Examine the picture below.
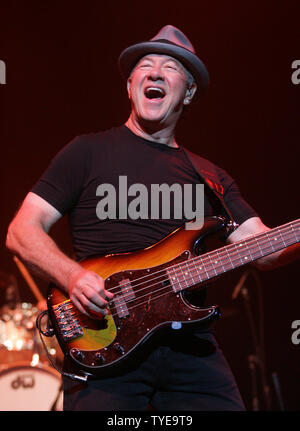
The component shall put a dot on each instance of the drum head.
(27, 388)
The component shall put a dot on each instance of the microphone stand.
(256, 360)
(54, 404)
(278, 391)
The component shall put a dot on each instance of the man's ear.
(189, 94)
(129, 86)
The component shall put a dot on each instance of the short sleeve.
(223, 183)
(62, 182)
(240, 209)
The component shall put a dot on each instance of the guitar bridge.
(69, 325)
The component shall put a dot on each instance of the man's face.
(158, 89)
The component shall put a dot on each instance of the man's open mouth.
(154, 93)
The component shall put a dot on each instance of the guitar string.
(145, 302)
(157, 290)
(166, 290)
(204, 259)
(115, 314)
(208, 257)
(269, 233)
(163, 288)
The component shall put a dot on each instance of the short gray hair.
(189, 77)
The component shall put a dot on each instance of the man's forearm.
(41, 254)
(254, 226)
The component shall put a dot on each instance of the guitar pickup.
(121, 306)
(127, 290)
(126, 294)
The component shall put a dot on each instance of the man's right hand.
(30, 227)
(87, 292)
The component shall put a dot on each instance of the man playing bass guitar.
(188, 372)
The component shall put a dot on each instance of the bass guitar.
(151, 291)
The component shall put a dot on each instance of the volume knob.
(100, 359)
(78, 354)
(119, 348)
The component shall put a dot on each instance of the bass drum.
(27, 388)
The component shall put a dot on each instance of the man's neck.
(163, 135)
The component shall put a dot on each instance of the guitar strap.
(208, 174)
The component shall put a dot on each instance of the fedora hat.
(169, 41)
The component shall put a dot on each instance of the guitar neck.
(217, 262)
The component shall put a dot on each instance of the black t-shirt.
(118, 167)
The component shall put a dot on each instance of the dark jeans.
(183, 373)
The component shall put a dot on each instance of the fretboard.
(210, 265)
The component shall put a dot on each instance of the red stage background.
(62, 80)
